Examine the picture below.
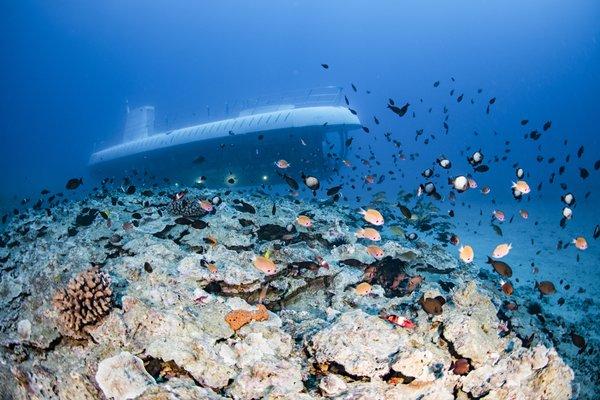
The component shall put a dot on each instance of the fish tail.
(489, 260)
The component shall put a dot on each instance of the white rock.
(24, 329)
(123, 377)
(332, 385)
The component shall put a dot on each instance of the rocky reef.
(190, 315)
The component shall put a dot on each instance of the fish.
(427, 173)
(332, 191)
(466, 254)
(520, 173)
(545, 288)
(325, 66)
(399, 321)
(363, 289)
(521, 186)
(206, 205)
(583, 173)
(242, 206)
(524, 214)
(507, 288)
(311, 182)
(282, 164)
(400, 111)
(444, 162)
(459, 183)
(375, 251)
(502, 250)
(481, 168)
(579, 342)
(291, 182)
(580, 243)
(199, 224)
(580, 152)
(304, 221)
(368, 233)
(596, 234)
(264, 265)
(567, 213)
(432, 306)
(411, 236)
(199, 160)
(568, 199)
(405, 211)
(499, 215)
(129, 189)
(476, 158)
(74, 183)
(547, 125)
(372, 216)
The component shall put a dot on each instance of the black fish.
(405, 211)
(597, 232)
(459, 98)
(497, 229)
(245, 222)
(352, 111)
(242, 206)
(325, 66)
(199, 224)
(273, 209)
(364, 128)
(290, 181)
(481, 168)
(130, 190)
(376, 120)
(72, 231)
(436, 83)
(199, 160)
(349, 142)
(524, 122)
(183, 221)
(400, 111)
(547, 125)
(492, 100)
(44, 191)
(332, 191)
(74, 183)
(597, 165)
(583, 173)
(353, 87)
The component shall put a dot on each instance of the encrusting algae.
(238, 318)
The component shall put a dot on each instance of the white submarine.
(308, 129)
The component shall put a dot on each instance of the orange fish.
(472, 183)
(264, 265)
(282, 164)
(466, 254)
(524, 214)
(486, 190)
(372, 216)
(499, 215)
(375, 251)
(212, 267)
(521, 186)
(502, 250)
(368, 233)
(580, 243)
(304, 221)
(206, 205)
(363, 289)
(369, 179)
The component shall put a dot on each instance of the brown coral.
(238, 318)
(86, 299)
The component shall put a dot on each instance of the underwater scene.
(299, 199)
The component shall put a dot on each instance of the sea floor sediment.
(185, 316)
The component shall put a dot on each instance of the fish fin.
(489, 260)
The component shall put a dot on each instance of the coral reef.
(83, 303)
(197, 320)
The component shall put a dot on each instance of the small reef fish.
(524, 214)
(521, 186)
(567, 212)
(500, 267)
(206, 205)
(507, 288)
(499, 215)
(264, 265)
(375, 251)
(502, 250)
(304, 221)
(580, 243)
(545, 288)
(363, 289)
(460, 183)
(466, 254)
(399, 321)
(372, 216)
(282, 164)
(368, 233)
(74, 183)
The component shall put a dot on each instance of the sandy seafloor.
(166, 335)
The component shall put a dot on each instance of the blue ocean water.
(71, 69)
